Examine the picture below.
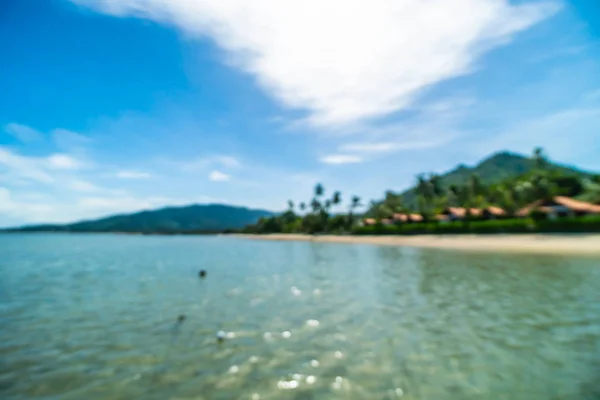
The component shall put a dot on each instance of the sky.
(111, 106)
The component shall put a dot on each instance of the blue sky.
(118, 105)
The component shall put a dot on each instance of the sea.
(127, 317)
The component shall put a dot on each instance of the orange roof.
(369, 221)
(523, 212)
(495, 210)
(408, 217)
(461, 212)
(577, 205)
(571, 204)
(441, 217)
(416, 217)
(400, 217)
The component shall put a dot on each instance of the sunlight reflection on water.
(96, 317)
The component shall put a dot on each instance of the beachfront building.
(407, 218)
(367, 222)
(459, 213)
(560, 206)
(493, 212)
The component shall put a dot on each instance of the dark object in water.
(181, 318)
(202, 273)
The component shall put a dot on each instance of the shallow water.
(94, 317)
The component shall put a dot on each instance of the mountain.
(494, 169)
(193, 218)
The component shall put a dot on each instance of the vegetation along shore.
(532, 195)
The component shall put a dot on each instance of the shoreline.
(581, 244)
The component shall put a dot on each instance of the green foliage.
(522, 225)
(590, 223)
(537, 215)
(499, 169)
(506, 180)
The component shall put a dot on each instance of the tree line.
(543, 181)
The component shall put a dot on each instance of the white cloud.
(80, 185)
(22, 167)
(64, 162)
(345, 60)
(210, 161)
(133, 175)
(218, 176)
(70, 141)
(55, 170)
(228, 161)
(20, 210)
(337, 159)
(31, 208)
(24, 133)
(388, 147)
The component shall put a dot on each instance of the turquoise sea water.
(95, 317)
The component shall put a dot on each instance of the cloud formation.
(337, 159)
(27, 208)
(210, 161)
(64, 162)
(22, 132)
(218, 176)
(126, 174)
(345, 61)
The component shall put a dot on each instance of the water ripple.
(95, 317)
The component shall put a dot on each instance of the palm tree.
(319, 190)
(539, 158)
(354, 203)
(453, 196)
(435, 184)
(315, 205)
(425, 195)
(302, 206)
(291, 205)
(476, 191)
(337, 198)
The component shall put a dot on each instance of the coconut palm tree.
(425, 194)
(435, 184)
(315, 205)
(336, 198)
(539, 158)
(319, 190)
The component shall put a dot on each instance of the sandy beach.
(588, 244)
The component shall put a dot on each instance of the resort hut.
(560, 206)
(368, 222)
(493, 212)
(407, 218)
(460, 213)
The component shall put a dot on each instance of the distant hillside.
(494, 169)
(194, 218)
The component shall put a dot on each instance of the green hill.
(193, 218)
(497, 168)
